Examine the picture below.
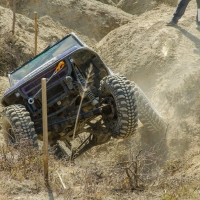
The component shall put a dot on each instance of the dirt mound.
(90, 18)
(143, 47)
(20, 48)
(158, 59)
(109, 2)
(132, 6)
(163, 61)
(137, 7)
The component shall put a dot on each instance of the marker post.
(36, 32)
(45, 128)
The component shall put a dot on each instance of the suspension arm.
(97, 111)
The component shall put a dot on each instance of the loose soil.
(133, 39)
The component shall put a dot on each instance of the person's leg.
(180, 10)
(198, 7)
(198, 4)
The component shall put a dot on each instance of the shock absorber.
(88, 91)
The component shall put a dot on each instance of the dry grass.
(11, 55)
(115, 178)
(25, 163)
(177, 181)
(131, 174)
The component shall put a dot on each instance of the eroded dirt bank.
(163, 61)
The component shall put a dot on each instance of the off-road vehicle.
(82, 93)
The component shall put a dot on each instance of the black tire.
(123, 122)
(18, 127)
(147, 113)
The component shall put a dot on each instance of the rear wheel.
(121, 120)
(18, 127)
(147, 113)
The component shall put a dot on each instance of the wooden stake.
(45, 128)
(14, 17)
(36, 32)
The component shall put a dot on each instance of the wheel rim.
(111, 117)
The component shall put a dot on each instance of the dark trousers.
(181, 9)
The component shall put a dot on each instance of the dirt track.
(160, 59)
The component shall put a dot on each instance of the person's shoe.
(198, 26)
(171, 23)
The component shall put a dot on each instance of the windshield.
(43, 57)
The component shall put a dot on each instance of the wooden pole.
(14, 17)
(45, 128)
(36, 32)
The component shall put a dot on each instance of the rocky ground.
(133, 39)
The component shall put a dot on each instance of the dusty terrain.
(132, 39)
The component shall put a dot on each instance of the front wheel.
(121, 122)
(18, 127)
